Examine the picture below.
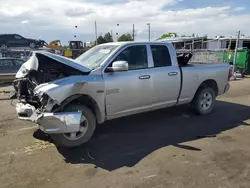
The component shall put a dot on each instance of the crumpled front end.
(41, 85)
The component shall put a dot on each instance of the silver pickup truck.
(67, 98)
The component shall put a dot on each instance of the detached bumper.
(51, 123)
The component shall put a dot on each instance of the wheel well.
(210, 83)
(89, 102)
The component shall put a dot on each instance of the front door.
(128, 92)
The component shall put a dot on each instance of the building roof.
(181, 39)
(132, 42)
(229, 38)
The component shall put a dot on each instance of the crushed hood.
(33, 63)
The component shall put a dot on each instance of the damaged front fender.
(61, 89)
(62, 92)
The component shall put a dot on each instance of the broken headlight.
(47, 103)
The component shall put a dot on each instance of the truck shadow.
(126, 141)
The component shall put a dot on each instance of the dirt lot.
(166, 148)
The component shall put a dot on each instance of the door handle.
(172, 73)
(143, 77)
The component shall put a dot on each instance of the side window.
(17, 37)
(18, 62)
(161, 56)
(81, 45)
(5, 64)
(9, 37)
(72, 45)
(136, 56)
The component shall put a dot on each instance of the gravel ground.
(165, 148)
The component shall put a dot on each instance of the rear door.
(17, 41)
(165, 77)
(20, 41)
(11, 41)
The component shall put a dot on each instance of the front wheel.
(32, 45)
(204, 101)
(87, 128)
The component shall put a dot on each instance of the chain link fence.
(25, 54)
(204, 56)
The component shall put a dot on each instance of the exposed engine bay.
(41, 68)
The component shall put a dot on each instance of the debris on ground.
(39, 145)
(90, 156)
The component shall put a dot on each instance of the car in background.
(15, 40)
(9, 68)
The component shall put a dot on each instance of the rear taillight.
(230, 73)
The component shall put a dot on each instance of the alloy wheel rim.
(3, 46)
(206, 101)
(81, 132)
(32, 45)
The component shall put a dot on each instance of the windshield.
(95, 56)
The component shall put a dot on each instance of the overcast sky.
(56, 19)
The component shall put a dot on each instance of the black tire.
(196, 103)
(3, 46)
(63, 141)
(32, 45)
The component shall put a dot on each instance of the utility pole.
(230, 43)
(202, 42)
(236, 50)
(76, 28)
(95, 34)
(133, 32)
(148, 31)
(117, 34)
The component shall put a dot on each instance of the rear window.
(4, 37)
(18, 62)
(161, 56)
(6, 65)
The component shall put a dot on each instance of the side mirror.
(118, 66)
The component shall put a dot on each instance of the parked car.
(110, 81)
(15, 40)
(9, 68)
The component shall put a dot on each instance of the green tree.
(108, 37)
(167, 35)
(100, 40)
(125, 37)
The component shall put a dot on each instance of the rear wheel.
(3, 46)
(204, 101)
(87, 128)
